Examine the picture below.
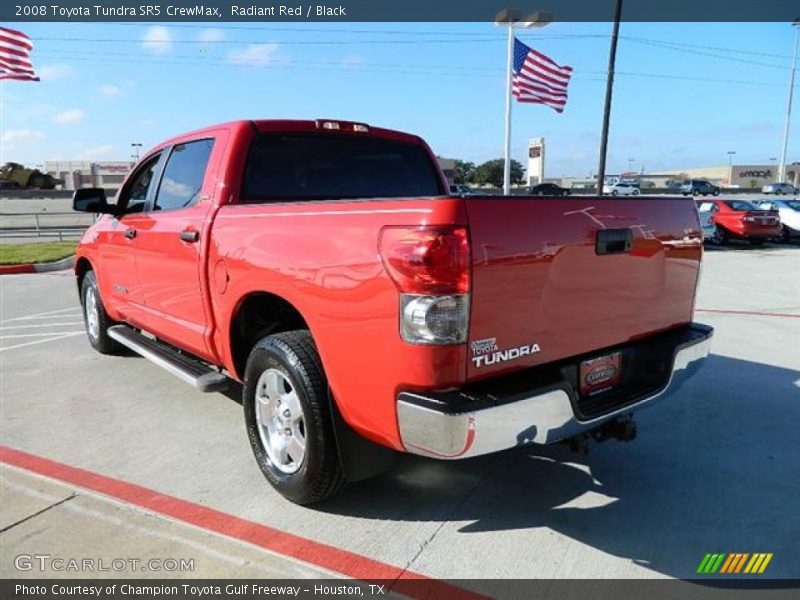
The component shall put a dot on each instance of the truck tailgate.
(556, 278)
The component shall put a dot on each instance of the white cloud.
(72, 115)
(212, 34)
(157, 40)
(53, 72)
(21, 135)
(110, 90)
(352, 60)
(255, 55)
(96, 151)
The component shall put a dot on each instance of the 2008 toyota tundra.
(324, 265)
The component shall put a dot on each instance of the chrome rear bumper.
(430, 426)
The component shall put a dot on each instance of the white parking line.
(30, 335)
(4, 327)
(44, 341)
(46, 314)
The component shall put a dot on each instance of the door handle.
(190, 236)
(130, 233)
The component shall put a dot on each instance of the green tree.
(491, 172)
(464, 171)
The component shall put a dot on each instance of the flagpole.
(507, 154)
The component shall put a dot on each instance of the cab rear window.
(325, 166)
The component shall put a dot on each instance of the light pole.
(630, 164)
(512, 19)
(782, 168)
(730, 154)
(612, 59)
(135, 149)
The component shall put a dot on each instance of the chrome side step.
(191, 370)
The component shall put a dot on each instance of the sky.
(685, 95)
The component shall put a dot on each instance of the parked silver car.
(779, 188)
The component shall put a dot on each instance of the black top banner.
(398, 10)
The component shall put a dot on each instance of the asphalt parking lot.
(714, 469)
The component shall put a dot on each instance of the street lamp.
(630, 164)
(730, 154)
(135, 149)
(782, 168)
(512, 19)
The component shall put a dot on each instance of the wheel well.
(82, 267)
(259, 315)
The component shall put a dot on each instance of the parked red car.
(742, 220)
(366, 310)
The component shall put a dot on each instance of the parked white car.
(706, 212)
(789, 212)
(621, 189)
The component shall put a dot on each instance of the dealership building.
(76, 174)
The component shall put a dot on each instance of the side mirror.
(91, 200)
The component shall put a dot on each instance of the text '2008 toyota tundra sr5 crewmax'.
(366, 311)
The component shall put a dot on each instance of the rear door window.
(294, 167)
(183, 175)
(739, 205)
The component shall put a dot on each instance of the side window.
(134, 196)
(183, 175)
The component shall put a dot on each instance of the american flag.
(538, 79)
(15, 50)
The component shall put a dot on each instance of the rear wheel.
(95, 318)
(635, 192)
(695, 192)
(285, 399)
(716, 192)
(720, 237)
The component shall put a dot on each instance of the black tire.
(635, 192)
(720, 237)
(695, 192)
(295, 356)
(614, 193)
(716, 192)
(786, 236)
(99, 340)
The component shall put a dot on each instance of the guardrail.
(61, 225)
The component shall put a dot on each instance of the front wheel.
(716, 192)
(288, 418)
(615, 193)
(95, 318)
(635, 192)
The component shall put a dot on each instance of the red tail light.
(427, 260)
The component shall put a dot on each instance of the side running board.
(191, 370)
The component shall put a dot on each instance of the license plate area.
(600, 374)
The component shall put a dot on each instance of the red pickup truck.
(367, 311)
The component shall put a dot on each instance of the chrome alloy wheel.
(92, 314)
(281, 422)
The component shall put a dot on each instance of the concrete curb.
(58, 265)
